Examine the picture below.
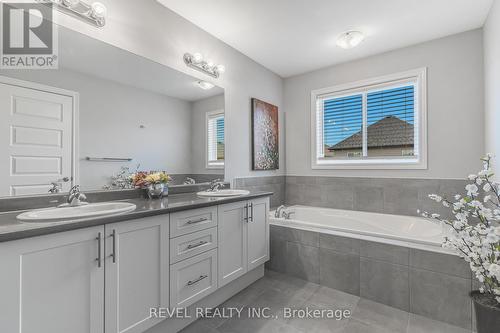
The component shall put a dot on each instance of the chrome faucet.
(57, 185)
(287, 214)
(277, 212)
(189, 181)
(76, 198)
(216, 185)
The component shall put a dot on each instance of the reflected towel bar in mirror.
(107, 159)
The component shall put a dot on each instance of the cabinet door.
(53, 283)
(232, 242)
(258, 232)
(136, 273)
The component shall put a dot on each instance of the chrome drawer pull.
(197, 221)
(193, 246)
(202, 277)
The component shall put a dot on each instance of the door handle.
(251, 211)
(99, 257)
(113, 254)
(245, 218)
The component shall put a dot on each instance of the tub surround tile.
(339, 244)
(277, 261)
(302, 261)
(369, 199)
(385, 283)
(385, 252)
(441, 263)
(295, 235)
(339, 271)
(403, 196)
(429, 297)
(275, 184)
(422, 282)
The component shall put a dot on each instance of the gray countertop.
(12, 229)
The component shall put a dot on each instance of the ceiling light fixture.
(205, 85)
(208, 67)
(350, 39)
(94, 13)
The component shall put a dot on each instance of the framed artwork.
(265, 135)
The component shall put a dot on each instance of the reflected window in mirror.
(215, 139)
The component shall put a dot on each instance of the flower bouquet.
(474, 234)
(156, 183)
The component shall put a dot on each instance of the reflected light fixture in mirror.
(94, 13)
(208, 67)
(205, 85)
(350, 39)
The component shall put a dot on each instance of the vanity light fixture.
(208, 67)
(205, 85)
(94, 13)
(350, 39)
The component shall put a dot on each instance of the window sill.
(215, 166)
(370, 165)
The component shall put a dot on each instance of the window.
(377, 123)
(215, 139)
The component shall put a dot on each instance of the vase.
(487, 312)
(157, 190)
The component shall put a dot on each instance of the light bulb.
(210, 63)
(205, 85)
(70, 3)
(221, 68)
(198, 57)
(98, 10)
(350, 39)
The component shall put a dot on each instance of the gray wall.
(164, 37)
(275, 184)
(455, 106)
(492, 82)
(199, 110)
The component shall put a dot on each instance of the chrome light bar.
(197, 62)
(94, 13)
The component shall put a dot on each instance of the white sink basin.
(68, 213)
(222, 193)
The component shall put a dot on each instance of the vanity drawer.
(189, 221)
(193, 279)
(189, 245)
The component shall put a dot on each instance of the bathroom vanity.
(105, 274)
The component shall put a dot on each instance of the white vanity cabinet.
(53, 283)
(137, 264)
(243, 234)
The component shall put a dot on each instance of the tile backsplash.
(275, 184)
(402, 196)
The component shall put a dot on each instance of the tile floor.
(277, 291)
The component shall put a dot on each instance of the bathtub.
(408, 231)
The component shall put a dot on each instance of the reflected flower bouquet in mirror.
(475, 229)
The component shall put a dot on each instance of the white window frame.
(213, 164)
(419, 79)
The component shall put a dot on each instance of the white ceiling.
(87, 55)
(295, 36)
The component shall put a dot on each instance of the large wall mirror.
(103, 113)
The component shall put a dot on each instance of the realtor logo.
(29, 39)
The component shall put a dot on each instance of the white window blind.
(215, 139)
(379, 122)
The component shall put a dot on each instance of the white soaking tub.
(408, 231)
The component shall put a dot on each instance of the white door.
(53, 284)
(137, 268)
(36, 130)
(258, 232)
(232, 237)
